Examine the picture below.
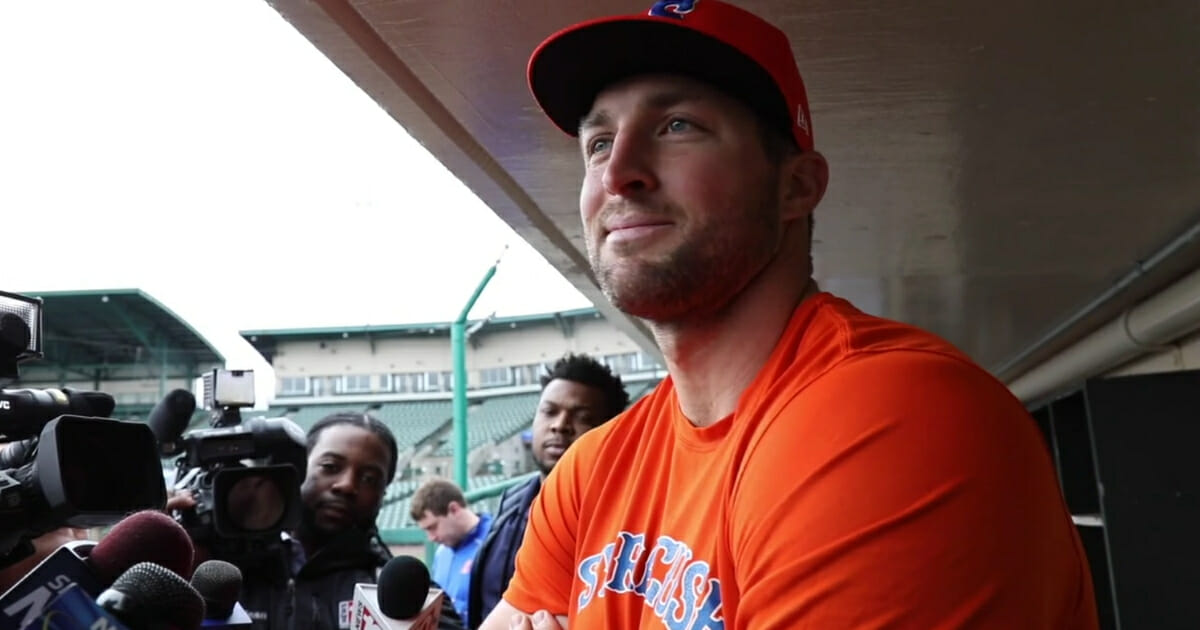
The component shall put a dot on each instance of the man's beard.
(316, 536)
(312, 533)
(701, 275)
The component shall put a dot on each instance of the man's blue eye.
(678, 124)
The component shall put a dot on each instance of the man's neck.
(470, 522)
(313, 540)
(713, 359)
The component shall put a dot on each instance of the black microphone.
(14, 334)
(149, 597)
(403, 587)
(219, 584)
(402, 600)
(23, 412)
(169, 418)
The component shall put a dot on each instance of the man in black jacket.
(578, 394)
(310, 584)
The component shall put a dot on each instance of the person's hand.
(180, 500)
(540, 620)
(43, 546)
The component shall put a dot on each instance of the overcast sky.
(207, 154)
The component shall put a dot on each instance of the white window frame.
(284, 390)
(506, 370)
(346, 380)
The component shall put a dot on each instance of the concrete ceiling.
(995, 166)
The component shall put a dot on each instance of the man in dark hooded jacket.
(310, 583)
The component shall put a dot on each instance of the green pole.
(458, 346)
(162, 370)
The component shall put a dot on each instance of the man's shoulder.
(898, 391)
(901, 381)
(827, 334)
(852, 331)
(838, 362)
(517, 495)
(519, 489)
(485, 523)
(887, 406)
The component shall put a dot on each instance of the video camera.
(67, 463)
(244, 476)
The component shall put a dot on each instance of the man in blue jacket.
(440, 508)
(578, 394)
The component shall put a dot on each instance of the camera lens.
(255, 503)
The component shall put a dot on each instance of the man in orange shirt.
(805, 465)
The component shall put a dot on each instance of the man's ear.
(804, 178)
(453, 508)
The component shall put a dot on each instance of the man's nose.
(345, 483)
(560, 423)
(629, 169)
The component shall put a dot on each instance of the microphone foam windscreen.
(146, 536)
(157, 594)
(170, 417)
(14, 333)
(403, 587)
(219, 583)
(86, 403)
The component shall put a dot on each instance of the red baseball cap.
(708, 40)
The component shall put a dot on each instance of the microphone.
(150, 597)
(146, 536)
(15, 335)
(26, 411)
(169, 418)
(403, 599)
(219, 584)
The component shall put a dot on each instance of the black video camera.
(66, 464)
(244, 476)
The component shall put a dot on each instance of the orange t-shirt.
(871, 476)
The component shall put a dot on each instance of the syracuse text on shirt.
(675, 586)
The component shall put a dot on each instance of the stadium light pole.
(458, 347)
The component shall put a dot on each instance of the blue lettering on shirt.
(681, 591)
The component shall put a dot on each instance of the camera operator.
(351, 460)
(43, 546)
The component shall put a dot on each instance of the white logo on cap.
(801, 121)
